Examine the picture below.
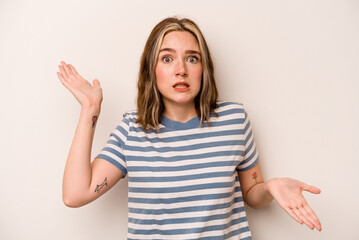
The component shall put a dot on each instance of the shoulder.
(128, 120)
(229, 107)
(130, 117)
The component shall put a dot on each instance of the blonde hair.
(149, 101)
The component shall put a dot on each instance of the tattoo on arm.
(99, 187)
(254, 175)
(94, 120)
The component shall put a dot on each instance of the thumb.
(311, 189)
(96, 83)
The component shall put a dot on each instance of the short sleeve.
(113, 150)
(250, 154)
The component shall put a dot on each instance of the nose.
(181, 68)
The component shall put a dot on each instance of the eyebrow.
(187, 51)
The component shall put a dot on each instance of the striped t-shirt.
(183, 180)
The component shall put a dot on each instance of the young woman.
(190, 159)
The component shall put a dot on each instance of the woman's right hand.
(87, 95)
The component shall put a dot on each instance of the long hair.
(149, 101)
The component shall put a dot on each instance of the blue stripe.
(185, 209)
(205, 125)
(248, 167)
(122, 130)
(180, 168)
(119, 141)
(230, 112)
(156, 139)
(225, 154)
(186, 220)
(114, 142)
(186, 148)
(117, 164)
(181, 178)
(250, 157)
(248, 149)
(220, 237)
(113, 151)
(184, 199)
(248, 137)
(181, 189)
(228, 235)
(191, 230)
(227, 103)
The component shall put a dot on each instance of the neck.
(179, 112)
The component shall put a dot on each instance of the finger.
(67, 69)
(293, 215)
(63, 80)
(315, 220)
(310, 188)
(73, 70)
(96, 83)
(301, 216)
(63, 72)
(309, 210)
(309, 216)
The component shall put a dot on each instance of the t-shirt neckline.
(192, 123)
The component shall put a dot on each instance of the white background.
(294, 64)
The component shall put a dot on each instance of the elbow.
(257, 203)
(251, 204)
(254, 206)
(71, 201)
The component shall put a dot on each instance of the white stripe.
(185, 143)
(188, 225)
(252, 149)
(181, 204)
(190, 236)
(181, 183)
(241, 236)
(114, 157)
(119, 135)
(113, 146)
(187, 214)
(181, 194)
(181, 173)
(183, 153)
(189, 131)
(250, 162)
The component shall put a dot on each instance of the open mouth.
(181, 85)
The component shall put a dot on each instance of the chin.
(184, 101)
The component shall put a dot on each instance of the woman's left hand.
(288, 193)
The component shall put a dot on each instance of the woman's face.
(179, 69)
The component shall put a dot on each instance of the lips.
(181, 85)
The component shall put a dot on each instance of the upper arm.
(109, 166)
(249, 178)
(249, 171)
(104, 176)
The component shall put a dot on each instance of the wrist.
(269, 185)
(92, 110)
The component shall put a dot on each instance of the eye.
(192, 59)
(166, 59)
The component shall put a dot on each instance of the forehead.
(180, 40)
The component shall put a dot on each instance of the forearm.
(259, 196)
(77, 175)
